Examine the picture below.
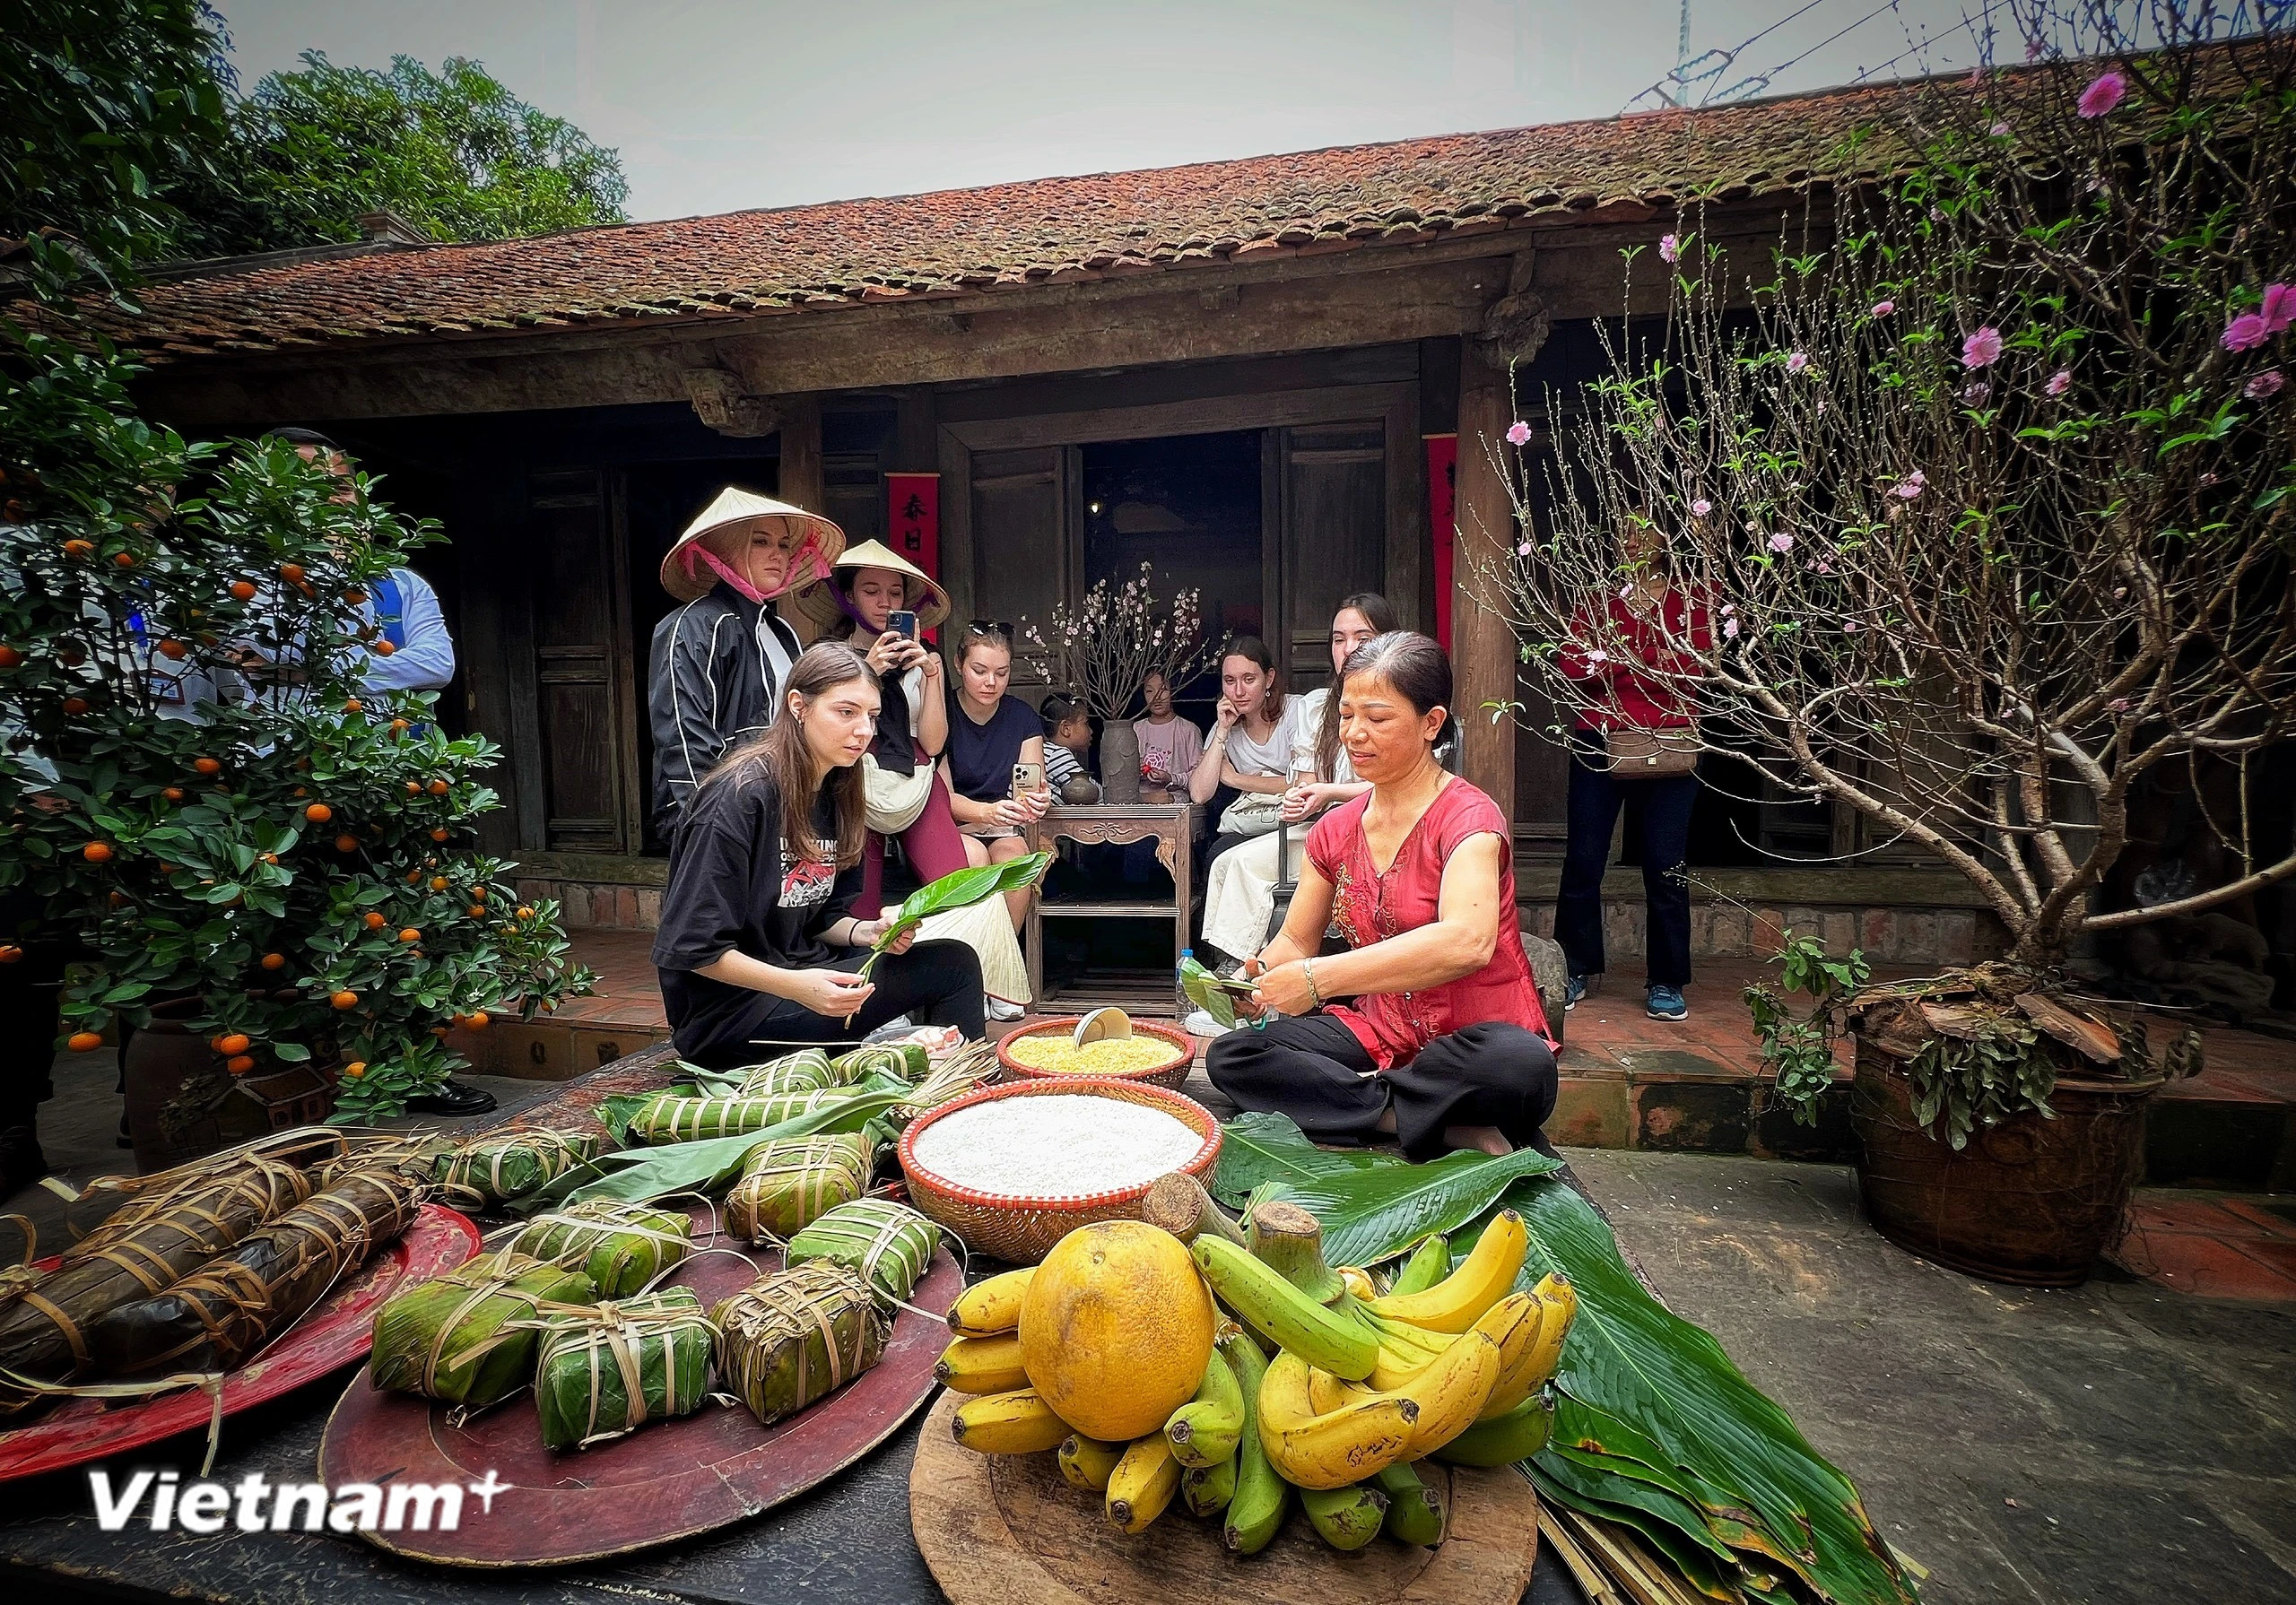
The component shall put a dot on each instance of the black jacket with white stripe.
(716, 665)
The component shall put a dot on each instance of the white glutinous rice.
(1055, 1146)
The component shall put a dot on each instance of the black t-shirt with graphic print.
(733, 886)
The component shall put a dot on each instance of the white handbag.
(895, 800)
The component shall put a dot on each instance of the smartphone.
(903, 622)
(1028, 778)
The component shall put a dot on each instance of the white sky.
(717, 105)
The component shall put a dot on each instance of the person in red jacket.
(1652, 629)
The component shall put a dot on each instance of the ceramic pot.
(182, 1103)
(1119, 762)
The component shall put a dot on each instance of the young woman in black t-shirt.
(758, 945)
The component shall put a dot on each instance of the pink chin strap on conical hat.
(690, 568)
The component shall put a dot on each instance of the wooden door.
(583, 682)
(1007, 549)
(1331, 485)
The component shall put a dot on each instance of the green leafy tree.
(104, 106)
(453, 152)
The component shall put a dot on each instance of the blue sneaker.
(1666, 1002)
(1576, 988)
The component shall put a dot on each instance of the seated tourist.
(1246, 765)
(1444, 1045)
(1170, 745)
(1240, 893)
(758, 945)
(991, 730)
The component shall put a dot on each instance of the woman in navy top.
(990, 730)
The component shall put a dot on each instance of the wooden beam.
(800, 479)
(1483, 646)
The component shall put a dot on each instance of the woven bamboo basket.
(1169, 1075)
(1021, 1229)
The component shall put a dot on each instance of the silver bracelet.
(1308, 973)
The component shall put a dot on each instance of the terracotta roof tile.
(749, 263)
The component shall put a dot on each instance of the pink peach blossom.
(2103, 95)
(1782, 542)
(1884, 309)
(1519, 433)
(2279, 306)
(1701, 507)
(2060, 381)
(1730, 630)
(2265, 384)
(1670, 249)
(1982, 349)
(1797, 362)
(2246, 332)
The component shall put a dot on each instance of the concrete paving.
(2115, 1442)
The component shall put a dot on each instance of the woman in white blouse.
(1247, 765)
(1240, 892)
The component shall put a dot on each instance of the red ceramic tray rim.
(1177, 1104)
(1183, 1049)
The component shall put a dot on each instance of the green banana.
(1205, 1490)
(1429, 1263)
(1255, 1509)
(1502, 1441)
(1330, 1340)
(1203, 1431)
(1416, 1513)
(1346, 1518)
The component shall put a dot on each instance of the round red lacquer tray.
(336, 1332)
(667, 1481)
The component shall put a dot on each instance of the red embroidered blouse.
(1369, 906)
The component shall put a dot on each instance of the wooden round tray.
(1008, 1529)
(667, 1481)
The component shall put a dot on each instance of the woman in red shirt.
(1443, 1044)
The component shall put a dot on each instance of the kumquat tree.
(194, 774)
(1983, 485)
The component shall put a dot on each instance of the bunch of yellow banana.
(1451, 1363)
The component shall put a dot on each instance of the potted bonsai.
(274, 869)
(1988, 494)
(1103, 652)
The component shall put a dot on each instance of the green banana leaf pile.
(1656, 1429)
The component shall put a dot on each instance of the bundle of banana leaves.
(608, 1369)
(676, 1117)
(790, 1339)
(47, 1323)
(468, 1338)
(620, 1246)
(222, 1313)
(788, 1183)
(489, 1172)
(886, 1244)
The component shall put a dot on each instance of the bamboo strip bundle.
(669, 1117)
(459, 1338)
(489, 1172)
(217, 1316)
(620, 1246)
(790, 1339)
(44, 1332)
(790, 1182)
(887, 1244)
(608, 1369)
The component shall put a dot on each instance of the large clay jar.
(2033, 1201)
(1119, 762)
(182, 1103)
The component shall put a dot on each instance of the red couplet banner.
(1442, 522)
(913, 516)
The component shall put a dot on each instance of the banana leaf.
(961, 890)
(620, 1247)
(1208, 991)
(902, 1061)
(888, 1244)
(808, 1070)
(1666, 1393)
(642, 1175)
(608, 1369)
(669, 1117)
(1373, 1205)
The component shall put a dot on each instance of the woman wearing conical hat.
(720, 660)
(907, 796)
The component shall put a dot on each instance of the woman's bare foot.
(1487, 1138)
(1387, 1121)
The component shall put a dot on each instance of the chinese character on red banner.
(913, 517)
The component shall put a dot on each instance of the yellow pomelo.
(1115, 1329)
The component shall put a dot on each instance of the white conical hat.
(820, 603)
(819, 543)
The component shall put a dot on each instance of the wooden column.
(799, 481)
(1483, 646)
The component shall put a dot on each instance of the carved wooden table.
(1169, 824)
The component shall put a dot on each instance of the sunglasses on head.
(989, 626)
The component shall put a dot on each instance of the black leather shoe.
(452, 1098)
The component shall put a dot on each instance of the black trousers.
(935, 983)
(1595, 797)
(1311, 1067)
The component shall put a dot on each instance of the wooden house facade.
(1238, 371)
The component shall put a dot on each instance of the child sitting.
(1067, 751)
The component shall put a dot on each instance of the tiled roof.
(743, 265)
